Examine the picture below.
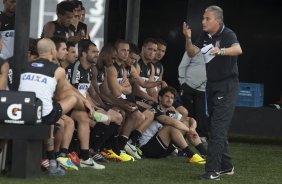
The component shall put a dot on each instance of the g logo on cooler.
(14, 111)
(39, 112)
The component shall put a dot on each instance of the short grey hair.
(218, 12)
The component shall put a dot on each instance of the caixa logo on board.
(14, 111)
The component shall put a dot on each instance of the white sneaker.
(91, 163)
(131, 149)
(56, 171)
(174, 153)
(204, 140)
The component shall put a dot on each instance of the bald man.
(47, 79)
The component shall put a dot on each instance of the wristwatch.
(222, 51)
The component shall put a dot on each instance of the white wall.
(43, 11)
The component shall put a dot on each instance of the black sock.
(113, 142)
(111, 130)
(115, 145)
(134, 136)
(63, 152)
(84, 154)
(108, 132)
(56, 154)
(96, 133)
(51, 155)
(202, 150)
(188, 152)
(122, 140)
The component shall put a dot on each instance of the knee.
(69, 124)
(138, 116)
(119, 118)
(116, 117)
(182, 110)
(192, 122)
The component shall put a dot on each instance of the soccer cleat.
(99, 117)
(111, 155)
(66, 163)
(99, 158)
(131, 150)
(91, 163)
(210, 176)
(125, 157)
(197, 159)
(227, 172)
(56, 171)
(74, 158)
(174, 153)
(139, 151)
(204, 140)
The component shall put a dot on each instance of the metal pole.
(132, 21)
(106, 21)
(21, 43)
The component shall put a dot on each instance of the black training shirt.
(220, 67)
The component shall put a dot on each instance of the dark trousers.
(194, 101)
(221, 97)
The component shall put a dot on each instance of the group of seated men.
(113, 101)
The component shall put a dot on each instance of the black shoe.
(99, 158)
(210, 176)
(227, 172)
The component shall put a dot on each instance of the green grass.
(257, 164)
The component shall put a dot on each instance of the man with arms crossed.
(169, 129)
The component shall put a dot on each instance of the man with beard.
(169, 129)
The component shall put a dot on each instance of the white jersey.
(7, 43)
(157, 125)
(39, 77)
(79, 77)
(7, 31)
(150, 132)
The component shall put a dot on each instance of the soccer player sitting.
(170, 130)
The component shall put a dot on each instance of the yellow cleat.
(66, 163)
(111, 155)
(197, 159)
(125, 157)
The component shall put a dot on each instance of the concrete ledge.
(26, 148)
(254, 121)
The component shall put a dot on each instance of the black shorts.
(155, 148)
(54, 115)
